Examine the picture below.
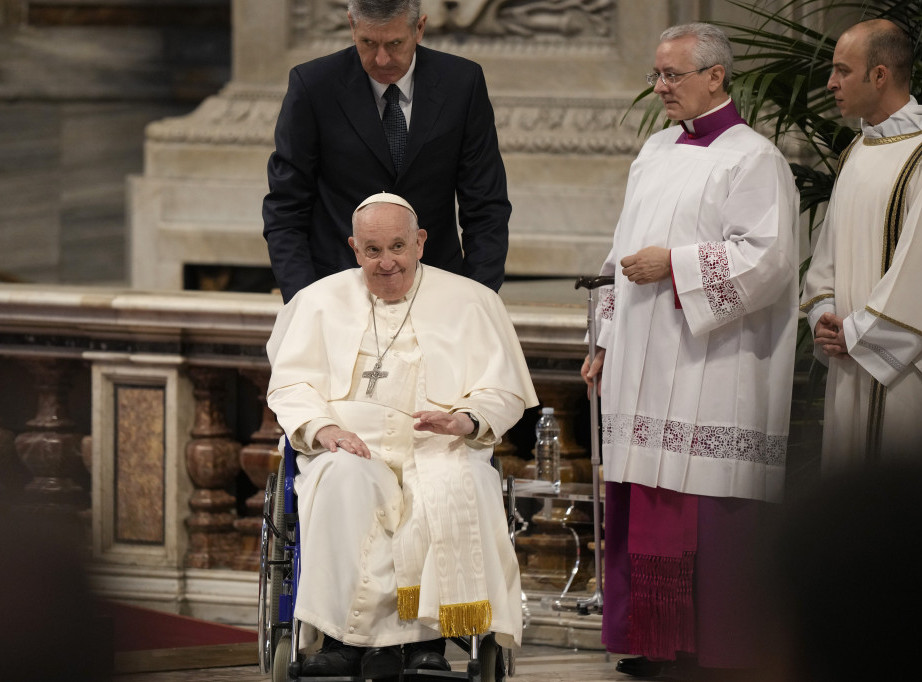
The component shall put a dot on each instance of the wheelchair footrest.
(408, 675)
(433, 675)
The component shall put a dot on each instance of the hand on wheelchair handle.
(590, 371)
(334, 438)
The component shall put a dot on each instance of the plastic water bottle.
(547, 448)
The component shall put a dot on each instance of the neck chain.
(376, 372)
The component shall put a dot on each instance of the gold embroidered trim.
(472, 618)
(875, 141)
(408, 603)
(896, 209)
(845, 152)
(877, 313)
(813, 301)
(876, 403)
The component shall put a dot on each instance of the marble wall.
(114, 168)
(78, 84)
(562, 77)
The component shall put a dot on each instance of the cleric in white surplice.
(396, 380)
(861, 293)
(697, 337)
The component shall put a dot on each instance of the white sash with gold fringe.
(438, 544)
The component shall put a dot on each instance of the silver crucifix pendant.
(373, 377)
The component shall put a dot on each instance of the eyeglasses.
(672, 78)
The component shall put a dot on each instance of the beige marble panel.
(140, 451)
(142, 413)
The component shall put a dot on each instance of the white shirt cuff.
(882, 348)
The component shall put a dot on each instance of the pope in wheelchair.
(395, 380)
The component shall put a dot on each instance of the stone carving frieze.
(236, 116)
(247, 115)
(566, 126)
(508, 19)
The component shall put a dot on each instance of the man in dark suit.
(332, 151)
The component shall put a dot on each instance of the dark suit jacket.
(331, 153)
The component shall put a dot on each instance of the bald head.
(871, 69)
(887, 45)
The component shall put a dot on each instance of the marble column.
(257, 459)
(13, 475)
(213, 462)
(50, 448)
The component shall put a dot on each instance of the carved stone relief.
(552, 19)
(551, 125)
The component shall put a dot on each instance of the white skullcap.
(385, 198)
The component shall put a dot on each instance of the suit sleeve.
(483, 203)
(292, 174)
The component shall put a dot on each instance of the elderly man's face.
(386, 50)
(849, 83)
(692, 93)
(387, 249)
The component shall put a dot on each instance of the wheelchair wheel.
(271, 573)
(281, 660)
(489, 664)
(264, 615)
(277, 543)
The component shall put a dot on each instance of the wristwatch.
(473, 434)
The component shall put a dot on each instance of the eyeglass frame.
(655, 76)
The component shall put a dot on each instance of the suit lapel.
(357, 101)
(428, 99)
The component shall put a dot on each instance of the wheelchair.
(279, 570)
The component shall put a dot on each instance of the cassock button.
(351, 629)
(355, 613)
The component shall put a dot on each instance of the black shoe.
(640, 666)
(428, 655)
(334, 659)
(381, 662)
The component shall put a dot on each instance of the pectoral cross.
(373, 375)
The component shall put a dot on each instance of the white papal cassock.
(699, 390)
(371, 528)
(867, 269)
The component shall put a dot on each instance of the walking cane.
(594, 603)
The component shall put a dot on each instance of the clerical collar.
(704, 129)
(905, 121)
(405, 84)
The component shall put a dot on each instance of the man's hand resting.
(334, 438)
(650, 264)
(445, 423)
(829, 335)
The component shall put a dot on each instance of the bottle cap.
(547, 410)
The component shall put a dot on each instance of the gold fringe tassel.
(473, 618)
(408, 602)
